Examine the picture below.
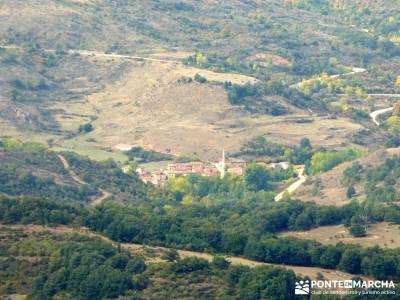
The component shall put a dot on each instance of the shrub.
(85, 128)
(200, 79)
(323, 161)
(189, 264)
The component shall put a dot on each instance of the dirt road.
(375, 114)
(104, 55)
(294, 186)
(71, 173)
(355, 71)
(119, 56)
(97, 201)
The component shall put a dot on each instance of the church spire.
(223, 164)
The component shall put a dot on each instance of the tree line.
(217, 229)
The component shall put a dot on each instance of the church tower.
(223, 165)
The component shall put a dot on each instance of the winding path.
(375, 114)
(97, 201)
(295, 185)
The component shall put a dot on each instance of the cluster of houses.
(207, 169)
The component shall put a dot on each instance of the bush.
(85, 128)
(237, 93)
(142, 155)
(29, 85)
(189, 264)
(200, 79)
(357, 230)
(351, 192)
(170, 255)
(259, 146)
(220, 263)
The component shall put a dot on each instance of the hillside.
(329, 189)
(49, 94)
(30, 169)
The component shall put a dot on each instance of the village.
(208, 169)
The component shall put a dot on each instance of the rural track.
(353, 72)
(295, 185)
(104, 55)
(120, 56)
(134, 248)
(375, 114)
(97, 201)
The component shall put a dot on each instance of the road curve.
(375, 114)
(294, 186)
(97, 201)
(104, 195)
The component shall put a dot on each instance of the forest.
(198, 228)
(75, 266)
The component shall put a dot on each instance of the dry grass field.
(381, 234)
(148, 107)
(141, 103)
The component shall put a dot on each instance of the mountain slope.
(51, 93)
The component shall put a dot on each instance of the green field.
(81, 147)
